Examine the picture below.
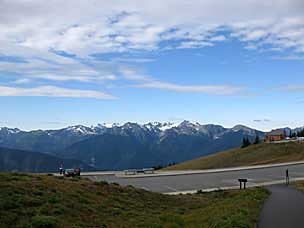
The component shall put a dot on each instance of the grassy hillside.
(41, 201)
(253, 155)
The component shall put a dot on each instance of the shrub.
(42, 221)
(54, 199)
(199, 191)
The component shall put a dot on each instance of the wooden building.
(275, 135)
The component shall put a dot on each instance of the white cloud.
(22, 81)
(133, 60)
(57, 70)
(280, 34)
(291, 88)
(142, 80)
(34, 30)
(194, 44)
(133, 74)
(84, 28)
(262, 120)
(52, 91)
(289, 57)
(207, 89)
(218, 38)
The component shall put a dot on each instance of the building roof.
(276, 132)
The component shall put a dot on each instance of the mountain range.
(131, 145)
(117, 147)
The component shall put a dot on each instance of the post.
(242, 181)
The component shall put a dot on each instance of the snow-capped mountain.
(56, 140)
(130, 145)
(185, 127)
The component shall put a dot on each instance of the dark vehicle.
(72, 172)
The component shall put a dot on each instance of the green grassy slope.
(299, 185)
(253, 155)
(45, 201)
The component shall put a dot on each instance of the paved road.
(166, 184)
(283, 209)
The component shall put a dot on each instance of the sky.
(87, 62)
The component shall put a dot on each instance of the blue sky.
(140, 62)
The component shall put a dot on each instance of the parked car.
(72, 172)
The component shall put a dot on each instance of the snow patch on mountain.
(10, 130)
(106, 125)
(80, 129)
(166, 126)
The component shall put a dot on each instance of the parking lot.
(177, 183)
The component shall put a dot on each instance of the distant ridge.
(27, 161)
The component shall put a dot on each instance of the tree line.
(246, 142)
(296, 134)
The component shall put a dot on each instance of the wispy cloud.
(194, 44)
(22, 81)
(52, 91)
(291, 88)
(142, 80)
(289, 57)
(272, 33)
(58, 70)
(135, 25)
(41, 42)
(133, 60)
(133, 74)
(207, 89)
(261, 120)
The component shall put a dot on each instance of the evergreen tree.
(246, 142)
(243, 143)
(301, 133)
(256, 140)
